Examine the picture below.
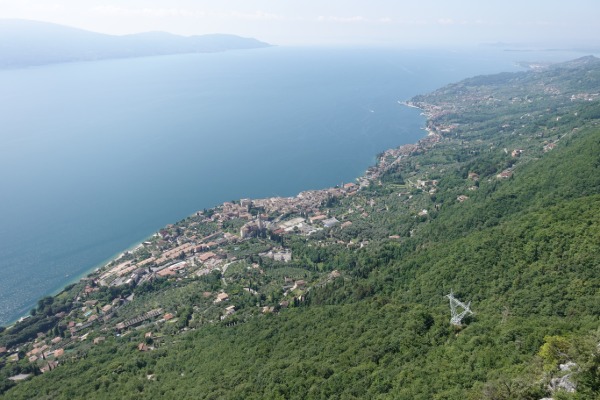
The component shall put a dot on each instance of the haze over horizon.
(336, 22)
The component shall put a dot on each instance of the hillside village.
(205, 243)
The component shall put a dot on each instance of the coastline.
(77, 278)
(197, 294)
(398, 85)
(382, 162)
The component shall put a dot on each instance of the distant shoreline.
(30, 38)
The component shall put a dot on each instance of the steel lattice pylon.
(454, 305)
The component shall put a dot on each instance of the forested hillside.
(500, 204)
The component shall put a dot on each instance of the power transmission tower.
(455, 304)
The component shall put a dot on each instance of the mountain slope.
(24, 43)
(522, 247)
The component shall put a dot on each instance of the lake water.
(97, 156)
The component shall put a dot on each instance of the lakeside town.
(242, 236)
(344, 291)
(200, 245)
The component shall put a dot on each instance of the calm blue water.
(96, 156)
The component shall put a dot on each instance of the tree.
(554, 351)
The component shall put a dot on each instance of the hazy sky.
(310, 22)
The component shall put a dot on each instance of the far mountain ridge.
(26, 43)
